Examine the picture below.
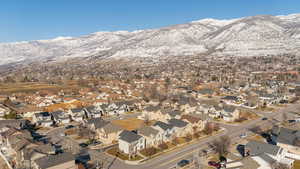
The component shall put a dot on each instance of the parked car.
(69, 126)
(291, 121)
(264, 118)
(214, 164)
(83, 145)
(243, 135)
(183, 163)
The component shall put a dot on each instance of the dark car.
(214, 164)
(183, 163)
(291, 121)
(69, 126)
(264, 118)
(83, 145)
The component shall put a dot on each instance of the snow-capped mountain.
(249, 36)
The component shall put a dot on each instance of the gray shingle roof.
(258, 148)
(129, 136)
(54, 160)
(152, 108)
(286, 136)
(148, 131)
(230, 98)
(77, 110)
(163, 125)
(98, 122)
(177, 123)
(111, 128)
(229, 109)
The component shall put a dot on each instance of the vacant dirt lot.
(129, 124)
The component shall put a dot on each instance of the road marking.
(168, 162)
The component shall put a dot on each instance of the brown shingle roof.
(190, 119)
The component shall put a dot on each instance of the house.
(108, 134)
(125, 106)
(287, 138)
(166, 130)
(206, 92)
(152, 136)
(187, 104)
(42, 119)
(169, 114)
(268, 153)
(77, 114)
(28, 155)
(59, 161)
(3, 110)
(96, 123)
(93, 112)
(130, 142)
(179, 127)
(230, 99)
(230, 113)
(60, 117)
(152, 112)
(194, 123)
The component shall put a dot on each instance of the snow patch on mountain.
(249, 36)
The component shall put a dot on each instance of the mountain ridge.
(247, 36)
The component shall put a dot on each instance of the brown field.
(296, 164)
(25, 87)
(129, 124)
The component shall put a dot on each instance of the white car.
(243, 135)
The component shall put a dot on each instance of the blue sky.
(43, 19)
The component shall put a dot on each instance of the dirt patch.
(129, 124)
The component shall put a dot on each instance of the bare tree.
(256, 130)
(210, 127)
(284, 117)
(222, 145)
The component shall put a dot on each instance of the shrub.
(149, 151)
(163, 146)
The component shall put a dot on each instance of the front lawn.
(149, 151)
(115, 152)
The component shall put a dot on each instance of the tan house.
(179, 126)
(109, 133)
(152, 113)
(194, 123)
(153, 136)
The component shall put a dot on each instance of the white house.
(268, 152)
(166, 130)
(130, 142)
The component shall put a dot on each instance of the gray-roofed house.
(28, 155)
(109, 133)
(152, 112)
(59, 161)
(268, 152)
(93, 112)
(152, 136)
(130, 142)
(187, 104)
(166, 130)
(42, 119)
(180, 127)
(96, 123)
(61, 117)
(77, 114)
(230, 113)
(287, 138)
(170, 114)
